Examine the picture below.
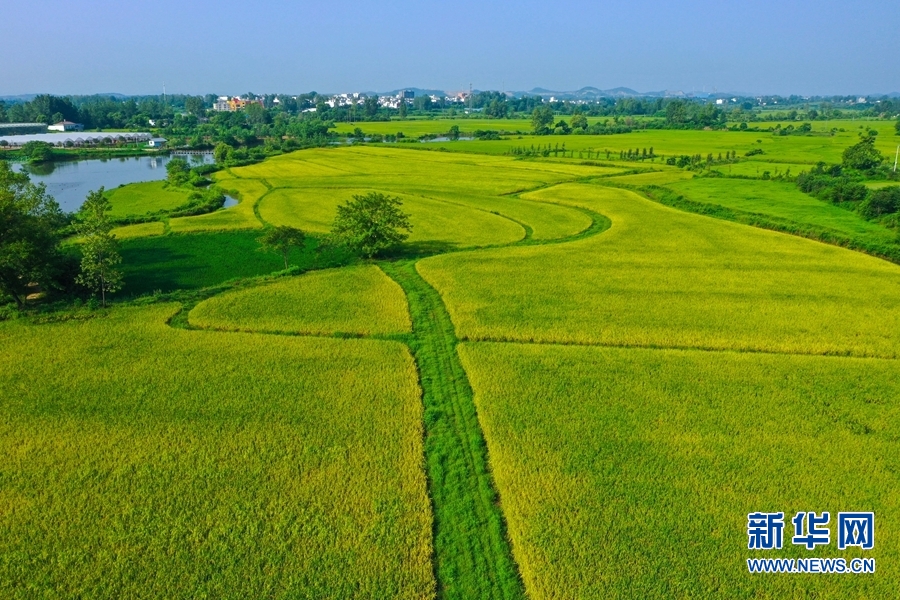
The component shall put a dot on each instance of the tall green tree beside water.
(100, 249)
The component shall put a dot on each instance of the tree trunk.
(284, 254)
(102, 291)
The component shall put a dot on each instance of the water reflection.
(70, 181)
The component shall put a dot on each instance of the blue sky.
(231, 47)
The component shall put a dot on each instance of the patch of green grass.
(663, 278)
(782, 200)
(360, 300)
(138, 460)
(629, 473)
(138, 199)
(757, 169)
(654, 178)
(472, 556)
(194, 261)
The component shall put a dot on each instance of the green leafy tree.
(403, 109)
(579, 121)
(99, 247)
(256, 114)
(177, 171)
(897, 126)
(37, 151)
(222, 153)
(371, 224)
(29, 242)
(281, 239)
(863, 156)
(194, 105)
(453, 134)
(881, 202)
(370, 106)
(541, 119)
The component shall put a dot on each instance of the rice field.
(137, 460)
(629, 473)
(663, 278)
(358, 300)
(432, 220)
(454, 201)
(638, 389)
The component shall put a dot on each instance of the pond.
(70, 181)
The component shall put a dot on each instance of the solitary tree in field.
(371, 224)
(99, 247)
(281, 239)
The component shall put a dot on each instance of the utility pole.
(164, 93)
(896, 156)
(470, 97)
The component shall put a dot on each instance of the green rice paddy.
(561, 388)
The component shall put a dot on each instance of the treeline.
(843, 185)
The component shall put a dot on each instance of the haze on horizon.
(230, 47)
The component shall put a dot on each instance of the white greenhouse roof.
(72, 136)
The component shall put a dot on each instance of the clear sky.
(232, 47)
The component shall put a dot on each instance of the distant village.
(232, 104)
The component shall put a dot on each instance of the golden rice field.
(638, 391)
(359, 300)
(142, 461)
(663, 278)
(454, 201)
(629, 473)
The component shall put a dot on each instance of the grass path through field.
(472, 553)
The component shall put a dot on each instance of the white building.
(66, 126)
(157, 142)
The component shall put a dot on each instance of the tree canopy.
(29, 242)
(99, 248)
(281, 239)
(371, 224)
(863, 156)
(541, 119)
